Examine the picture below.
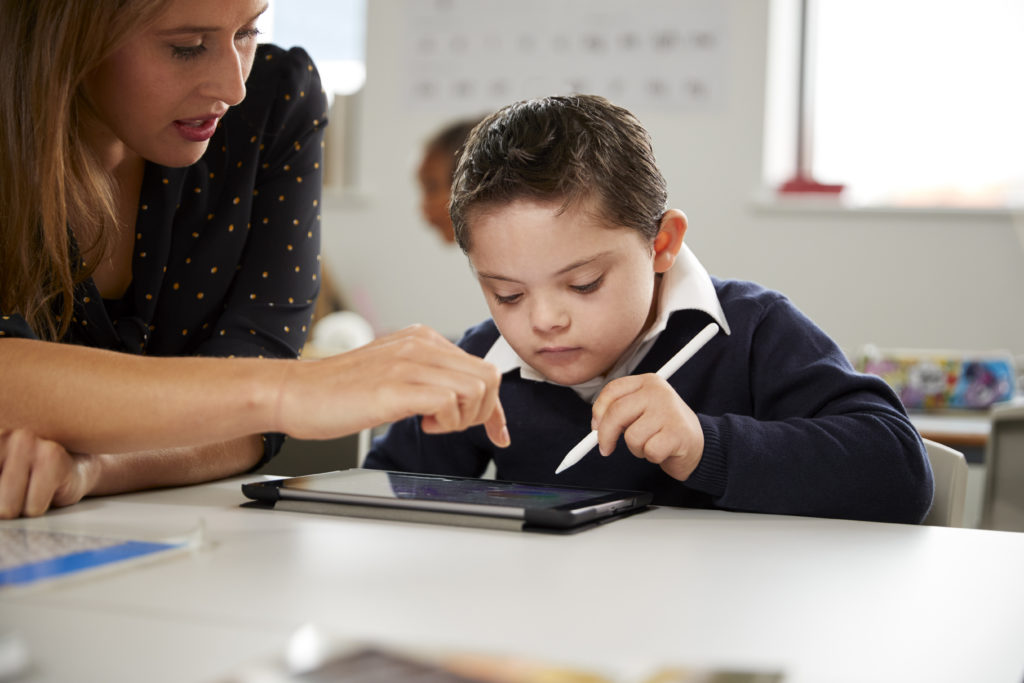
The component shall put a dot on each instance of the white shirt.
(685, 286)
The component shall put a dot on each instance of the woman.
(159, 258)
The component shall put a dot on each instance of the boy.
(560, 208)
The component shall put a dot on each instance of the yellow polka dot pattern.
(200, 285)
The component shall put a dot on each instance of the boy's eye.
(510, 299)
(589, 287)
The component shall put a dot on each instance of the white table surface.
(963, 424)
(822, 600)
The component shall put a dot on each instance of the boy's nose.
(548, 316)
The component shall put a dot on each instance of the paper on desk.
(30, 556)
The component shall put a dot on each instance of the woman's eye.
(187, 51)
(247, 34)
(589, 287)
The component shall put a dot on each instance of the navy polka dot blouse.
(226, 258)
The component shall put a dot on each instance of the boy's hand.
(654, 421)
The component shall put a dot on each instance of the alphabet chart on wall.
(480, 54)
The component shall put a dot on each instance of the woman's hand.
(655, 422)
(37, 474)
(414, 371)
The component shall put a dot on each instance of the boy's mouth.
(560, 355)
(558, 349)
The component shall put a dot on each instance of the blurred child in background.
(435, 173)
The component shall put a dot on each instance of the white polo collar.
(685, 286)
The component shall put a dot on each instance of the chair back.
(949, 471)
(1003, 504)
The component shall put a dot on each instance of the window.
(914, 102)
(333, 32)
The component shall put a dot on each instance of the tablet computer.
(462, 501)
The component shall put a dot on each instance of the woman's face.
(162, 93)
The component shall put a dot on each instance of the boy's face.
(567, 293)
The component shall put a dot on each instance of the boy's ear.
(669, 239)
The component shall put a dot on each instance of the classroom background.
(925, 277)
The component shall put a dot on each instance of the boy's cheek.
(494, 308)
(506, 325)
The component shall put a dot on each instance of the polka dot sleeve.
(226, 259)
(15, 326)
(268, 308)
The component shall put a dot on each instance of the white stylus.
(667, 370)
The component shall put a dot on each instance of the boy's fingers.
(612, 392)
(638, 435)
(615, 422)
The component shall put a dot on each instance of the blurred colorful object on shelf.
(941, 380)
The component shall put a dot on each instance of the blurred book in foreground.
(307, 661)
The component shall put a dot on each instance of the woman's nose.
(226, 80)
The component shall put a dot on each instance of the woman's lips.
(197, 130)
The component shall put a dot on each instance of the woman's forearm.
(120, 472)
(37, 474)
(96, 401)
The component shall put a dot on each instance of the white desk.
(960, 430)
(823, 600)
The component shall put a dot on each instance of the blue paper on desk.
(28, 556)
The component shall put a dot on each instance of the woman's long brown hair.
(50, 180)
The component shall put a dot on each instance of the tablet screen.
(396, 485)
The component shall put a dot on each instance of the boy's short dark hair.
(572, 149)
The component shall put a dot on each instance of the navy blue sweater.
(789, 426)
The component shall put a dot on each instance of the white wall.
(913, 279)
